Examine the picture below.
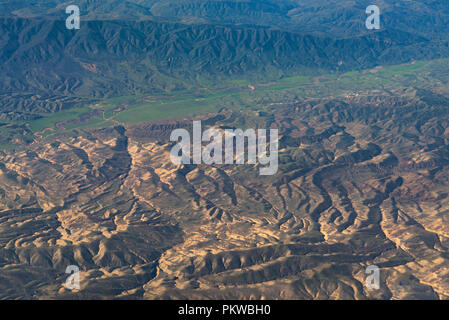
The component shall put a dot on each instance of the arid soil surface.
(362, 181)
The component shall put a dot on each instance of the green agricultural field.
(50, 120)
(236, 94)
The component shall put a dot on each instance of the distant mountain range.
(124, 47)
(336, 18)
(46, 67)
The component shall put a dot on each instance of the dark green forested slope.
(46, 67)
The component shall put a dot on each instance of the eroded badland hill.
(362, 181)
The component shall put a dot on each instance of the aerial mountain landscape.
(87, 177)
